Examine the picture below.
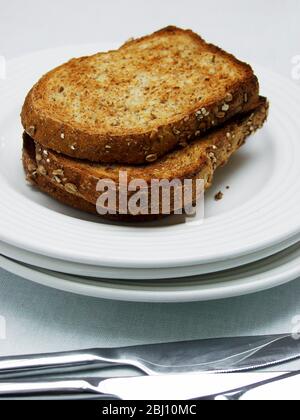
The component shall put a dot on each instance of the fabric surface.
(40, 319)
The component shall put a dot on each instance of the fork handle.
(53, 363)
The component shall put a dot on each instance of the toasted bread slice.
(136, 104)
(75, 182)
(51, 188)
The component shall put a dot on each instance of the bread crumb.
(219, 196)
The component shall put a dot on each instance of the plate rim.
(225, 290)
(47, 263)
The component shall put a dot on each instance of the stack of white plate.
(249, 241)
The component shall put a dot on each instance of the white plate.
(261, 209)
(86, 270)
(274, 271)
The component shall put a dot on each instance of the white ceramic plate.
(271, 272)
(86, 270)
(261, 209)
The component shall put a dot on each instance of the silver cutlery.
(213, 355)
(233, 386)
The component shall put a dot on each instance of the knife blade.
(150, 388)
(222, 355)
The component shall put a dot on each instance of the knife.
(222, 355)
(233, 386)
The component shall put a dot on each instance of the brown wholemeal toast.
(46, 185)
(74, 181)
(136, 104)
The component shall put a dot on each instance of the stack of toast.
(166, 106)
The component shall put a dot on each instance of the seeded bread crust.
(74, 182)
(64, 112)
(46, 185)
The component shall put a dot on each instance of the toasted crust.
(54, 173)
(47, 186)
(136, 104)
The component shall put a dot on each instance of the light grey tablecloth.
(39, 319)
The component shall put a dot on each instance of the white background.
(40, 319)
